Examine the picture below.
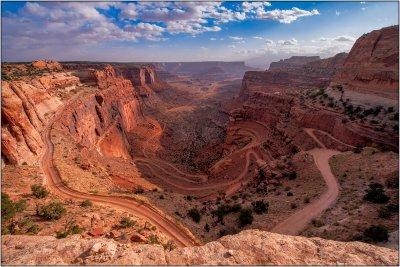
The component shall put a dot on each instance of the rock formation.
(372, 67)
(250, 247)
(25, 106)
(293, 62)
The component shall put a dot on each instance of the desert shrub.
(224, 210)
(293, 206)
(376, 233)
(71, 228)
(153, 239)
(390, 109)
(245, 217)
(384, 212)
(394, 208)
(52, 211)
(358, 149)
(376, 194)
(9, 208)
(33, 229)
(306, 200)
(194, 214)
(161, 197)
(260, 206)
(126, 222)
(39, 191)
(289, 194)
(292, 175)
(207, 227)
(86, 203)
(189, 198)
(317, 223)
(139, 190)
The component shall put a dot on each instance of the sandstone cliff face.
(103, 120)
(372, 64)
(250, 247)
(293, 62)
(25, 106)
(47, 64)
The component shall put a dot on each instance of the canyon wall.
(374, 57)
(26, 104)
(372, 67)
(102, 120)
(31, 92)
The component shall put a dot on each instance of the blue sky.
(257, 32)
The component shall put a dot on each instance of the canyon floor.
(118, 162)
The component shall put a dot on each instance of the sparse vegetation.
(194, 214)
(376, 194)
(39, 191)
(126, 222)
(245, 217)
(52, 211)
(376, 233)
(9, 208)
(317, 223)
(86, 203)
(71, 228)
(139, 190)
(260, 206)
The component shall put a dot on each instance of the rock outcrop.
(250, 247)
(372, 65)
(103, 120)
(25, 106)
(294, 62)
(47, 64)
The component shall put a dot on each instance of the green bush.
(71, 228)
(86, 203)
(245, 217)
(224, 210)
(194, 214)
(376, 194)
(292, 175)
(126, 222)
(317, 223)
(10, 208)
(376, 233)
(39, 191)
(52, 211)
(260, 206)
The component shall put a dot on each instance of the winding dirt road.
(169, 227)
(300, 219)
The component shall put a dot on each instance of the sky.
(255, 32)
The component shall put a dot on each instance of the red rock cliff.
(372, 65)
(104, 119)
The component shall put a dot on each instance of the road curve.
(172, 229)
(300, 219)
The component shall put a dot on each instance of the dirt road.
(300, 219)
(168, 226)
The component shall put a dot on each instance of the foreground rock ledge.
(247, 247)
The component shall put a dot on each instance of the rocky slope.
(26, 102)
(292, 77)
(31, 92)
(372, 67)
(104, 118)
(251, 247)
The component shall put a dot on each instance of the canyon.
(241, 159)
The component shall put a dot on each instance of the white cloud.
(213, 39)
(232, 46)
(254, 7)
(292, 41)
(323, 39)
(129, 12)
(344, 38)
(269, 41)
(236, 38)
(337, 13)
(258, 37)
(362, 3)
(286, 16)
(363, 8)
